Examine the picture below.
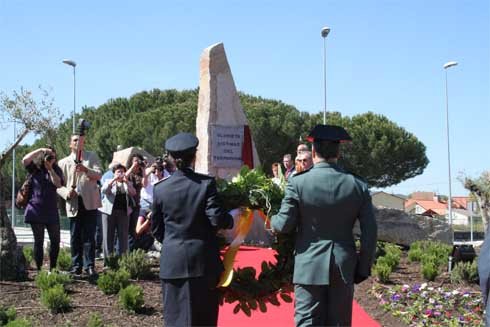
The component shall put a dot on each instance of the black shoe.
(91, 272)
(75, 271)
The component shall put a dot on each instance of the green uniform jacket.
(321, 206)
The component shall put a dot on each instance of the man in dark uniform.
(321, 206)
(186, 217)
(484, 273)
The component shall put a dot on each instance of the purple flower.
(437, 313)
(396, 297)
(416, 288)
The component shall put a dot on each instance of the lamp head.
(325, 31)
(450, 64)
(69, 62)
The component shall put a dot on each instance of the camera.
(48, 157)
(83, 125)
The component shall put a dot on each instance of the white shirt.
(146, 193)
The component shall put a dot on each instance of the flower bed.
(426, 305)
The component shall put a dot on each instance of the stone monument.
(225, 142)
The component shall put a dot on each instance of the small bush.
(64, 260)
(393, 248)
(392, 259)
(47, 280)
(438, 250)
(429, 270)
(55, 299)
(28, 254)
(415, 254)
(112, 282)
(95, 321)
(131, 298)
(112, 262)
(21, 322)
(465, 271)
(429, 258)
(136, 264)
(7, 314)
(380, 249)
(382, 270)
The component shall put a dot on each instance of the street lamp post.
(449, 202)
(73, 64)
(325, 32)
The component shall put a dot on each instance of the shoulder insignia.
(302, 172)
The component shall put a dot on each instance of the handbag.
(24, 194)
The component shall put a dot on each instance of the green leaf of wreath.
(262, 306)
(245, 309)
(236, 308)
(286, 298)
(274, 301)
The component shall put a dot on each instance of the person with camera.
(155, 173)
(135, 175)
(116, 210)
(81, 192)
(41, 211)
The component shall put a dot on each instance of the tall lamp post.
(73, 64)
(325, 32)
(449, 202)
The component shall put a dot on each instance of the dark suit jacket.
(186, 216)
(321, 206)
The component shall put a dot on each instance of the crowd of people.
(302, 162)
(108, 212)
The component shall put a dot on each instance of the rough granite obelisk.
(220, 118)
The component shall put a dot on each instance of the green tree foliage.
(480, 190)
(382, 152)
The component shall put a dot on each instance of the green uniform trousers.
(324, 305)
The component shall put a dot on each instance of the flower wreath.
(253, 190)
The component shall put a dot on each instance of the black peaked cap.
(330, 133)
(182, 142)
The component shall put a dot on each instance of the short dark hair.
(183, 159)
(118, 166)
(137, 155)
(326, 149)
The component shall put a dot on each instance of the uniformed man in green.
(320, 207)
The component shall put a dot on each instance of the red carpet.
(282, 315)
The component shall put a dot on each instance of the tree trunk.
(483, 204)
(12, 261)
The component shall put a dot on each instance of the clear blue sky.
(382, 56)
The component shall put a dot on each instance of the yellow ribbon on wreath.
(243, 227)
